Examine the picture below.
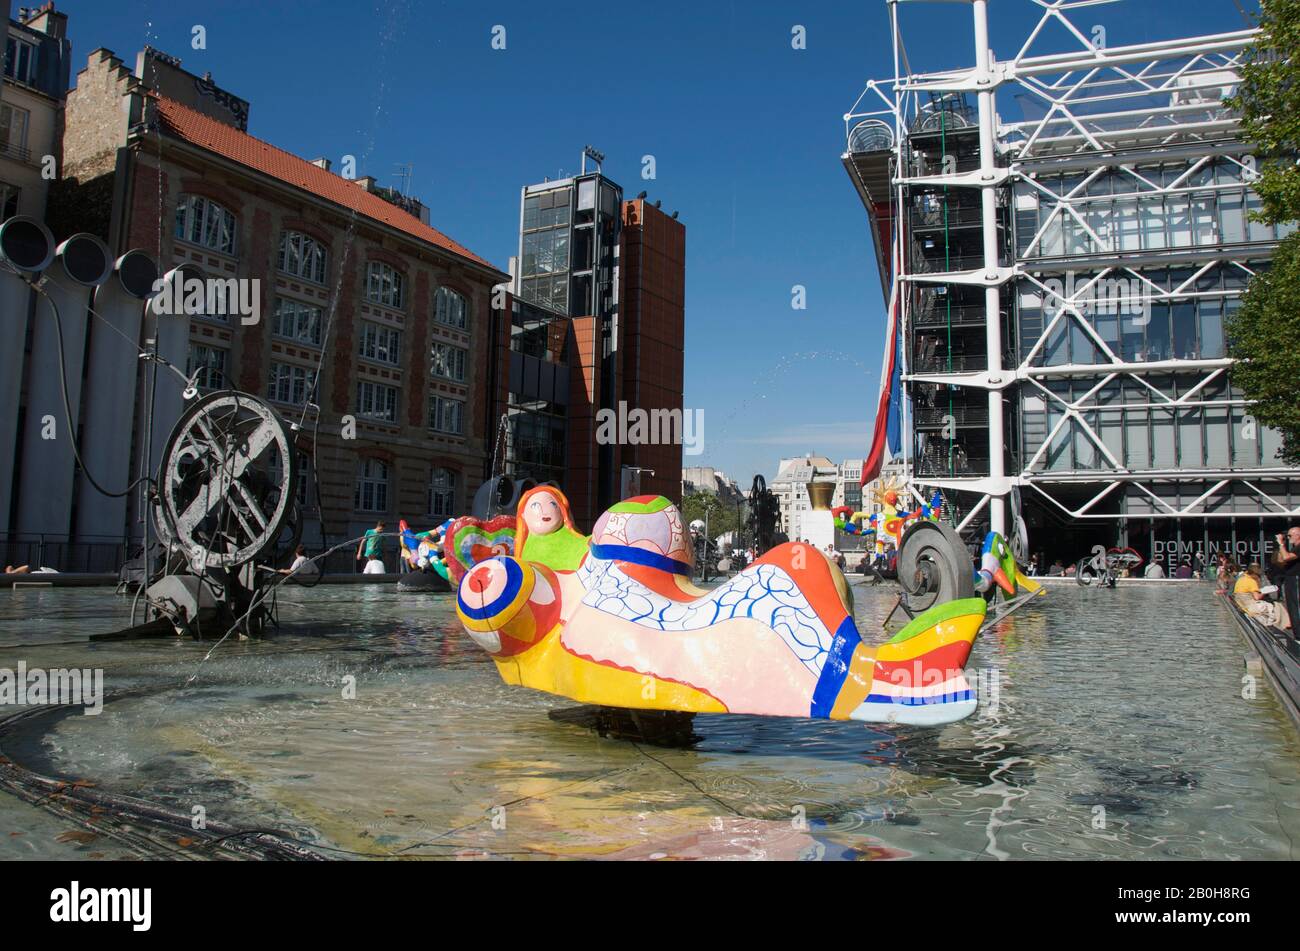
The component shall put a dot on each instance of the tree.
(722, 517)
(1265, 333)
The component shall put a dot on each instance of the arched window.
(372, 486)
(302, 256)
(202, 221)
(451, 308)
(385, 285)
(442, 493)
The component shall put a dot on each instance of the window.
(449, 362)
(305, 490)
(8, 200)
(442, 493)
(376, 401)
(384, 285)
(450, 308)
(372, 486)
(13, 130)
(210, 362)
(297, 321)
(302, 256)
(290, 384)
(204, 222)
(446, 415)
(20, 60)
(383, 344)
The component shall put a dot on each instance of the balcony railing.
(17, 152)
(952, 216)
(961, 414)
(960, 315)
(942, 263)
(965, 157)
(958, 363)
(939, 461)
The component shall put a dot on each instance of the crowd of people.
(1268, 592)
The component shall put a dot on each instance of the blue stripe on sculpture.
(835, 669)
(639, 556)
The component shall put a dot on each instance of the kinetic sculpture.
(887, 525)
(625, 628)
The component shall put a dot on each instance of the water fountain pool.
(1119, 731)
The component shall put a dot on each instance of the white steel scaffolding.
(1098, 240)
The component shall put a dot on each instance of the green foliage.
(1265, 333)
(1268, 98)
(722, 517)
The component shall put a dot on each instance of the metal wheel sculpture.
(1019, 530)
(1101, 568)
(934, 566)
(226, 482)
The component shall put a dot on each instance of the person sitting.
(1252, 598)
(302, 566)
(1184, 571)
(1057, 569)
(1154, 569)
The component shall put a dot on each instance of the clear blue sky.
(746, 133)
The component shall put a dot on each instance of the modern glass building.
(537, 394)
(1061, 237)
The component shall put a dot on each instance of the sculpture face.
(543, 514)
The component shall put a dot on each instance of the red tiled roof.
(207, 133)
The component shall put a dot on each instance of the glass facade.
(544, 259)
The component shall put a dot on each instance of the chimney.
(321, 163)
(45, 19)
(367, 182)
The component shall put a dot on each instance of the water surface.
(371, 725)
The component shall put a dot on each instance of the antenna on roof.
(588, 152)
(404, 173)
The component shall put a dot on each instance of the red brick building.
(385, 318)
(653, 318)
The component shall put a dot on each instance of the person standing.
(371, 549)
(1288, 563)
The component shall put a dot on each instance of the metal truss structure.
(1062, 278)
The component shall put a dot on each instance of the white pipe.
(992, 293)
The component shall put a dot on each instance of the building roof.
(197, 129)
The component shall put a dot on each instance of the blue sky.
(746, 133)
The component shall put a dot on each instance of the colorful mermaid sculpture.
(470, 540)
(422, 551)
(544, 530)
(627, 629)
